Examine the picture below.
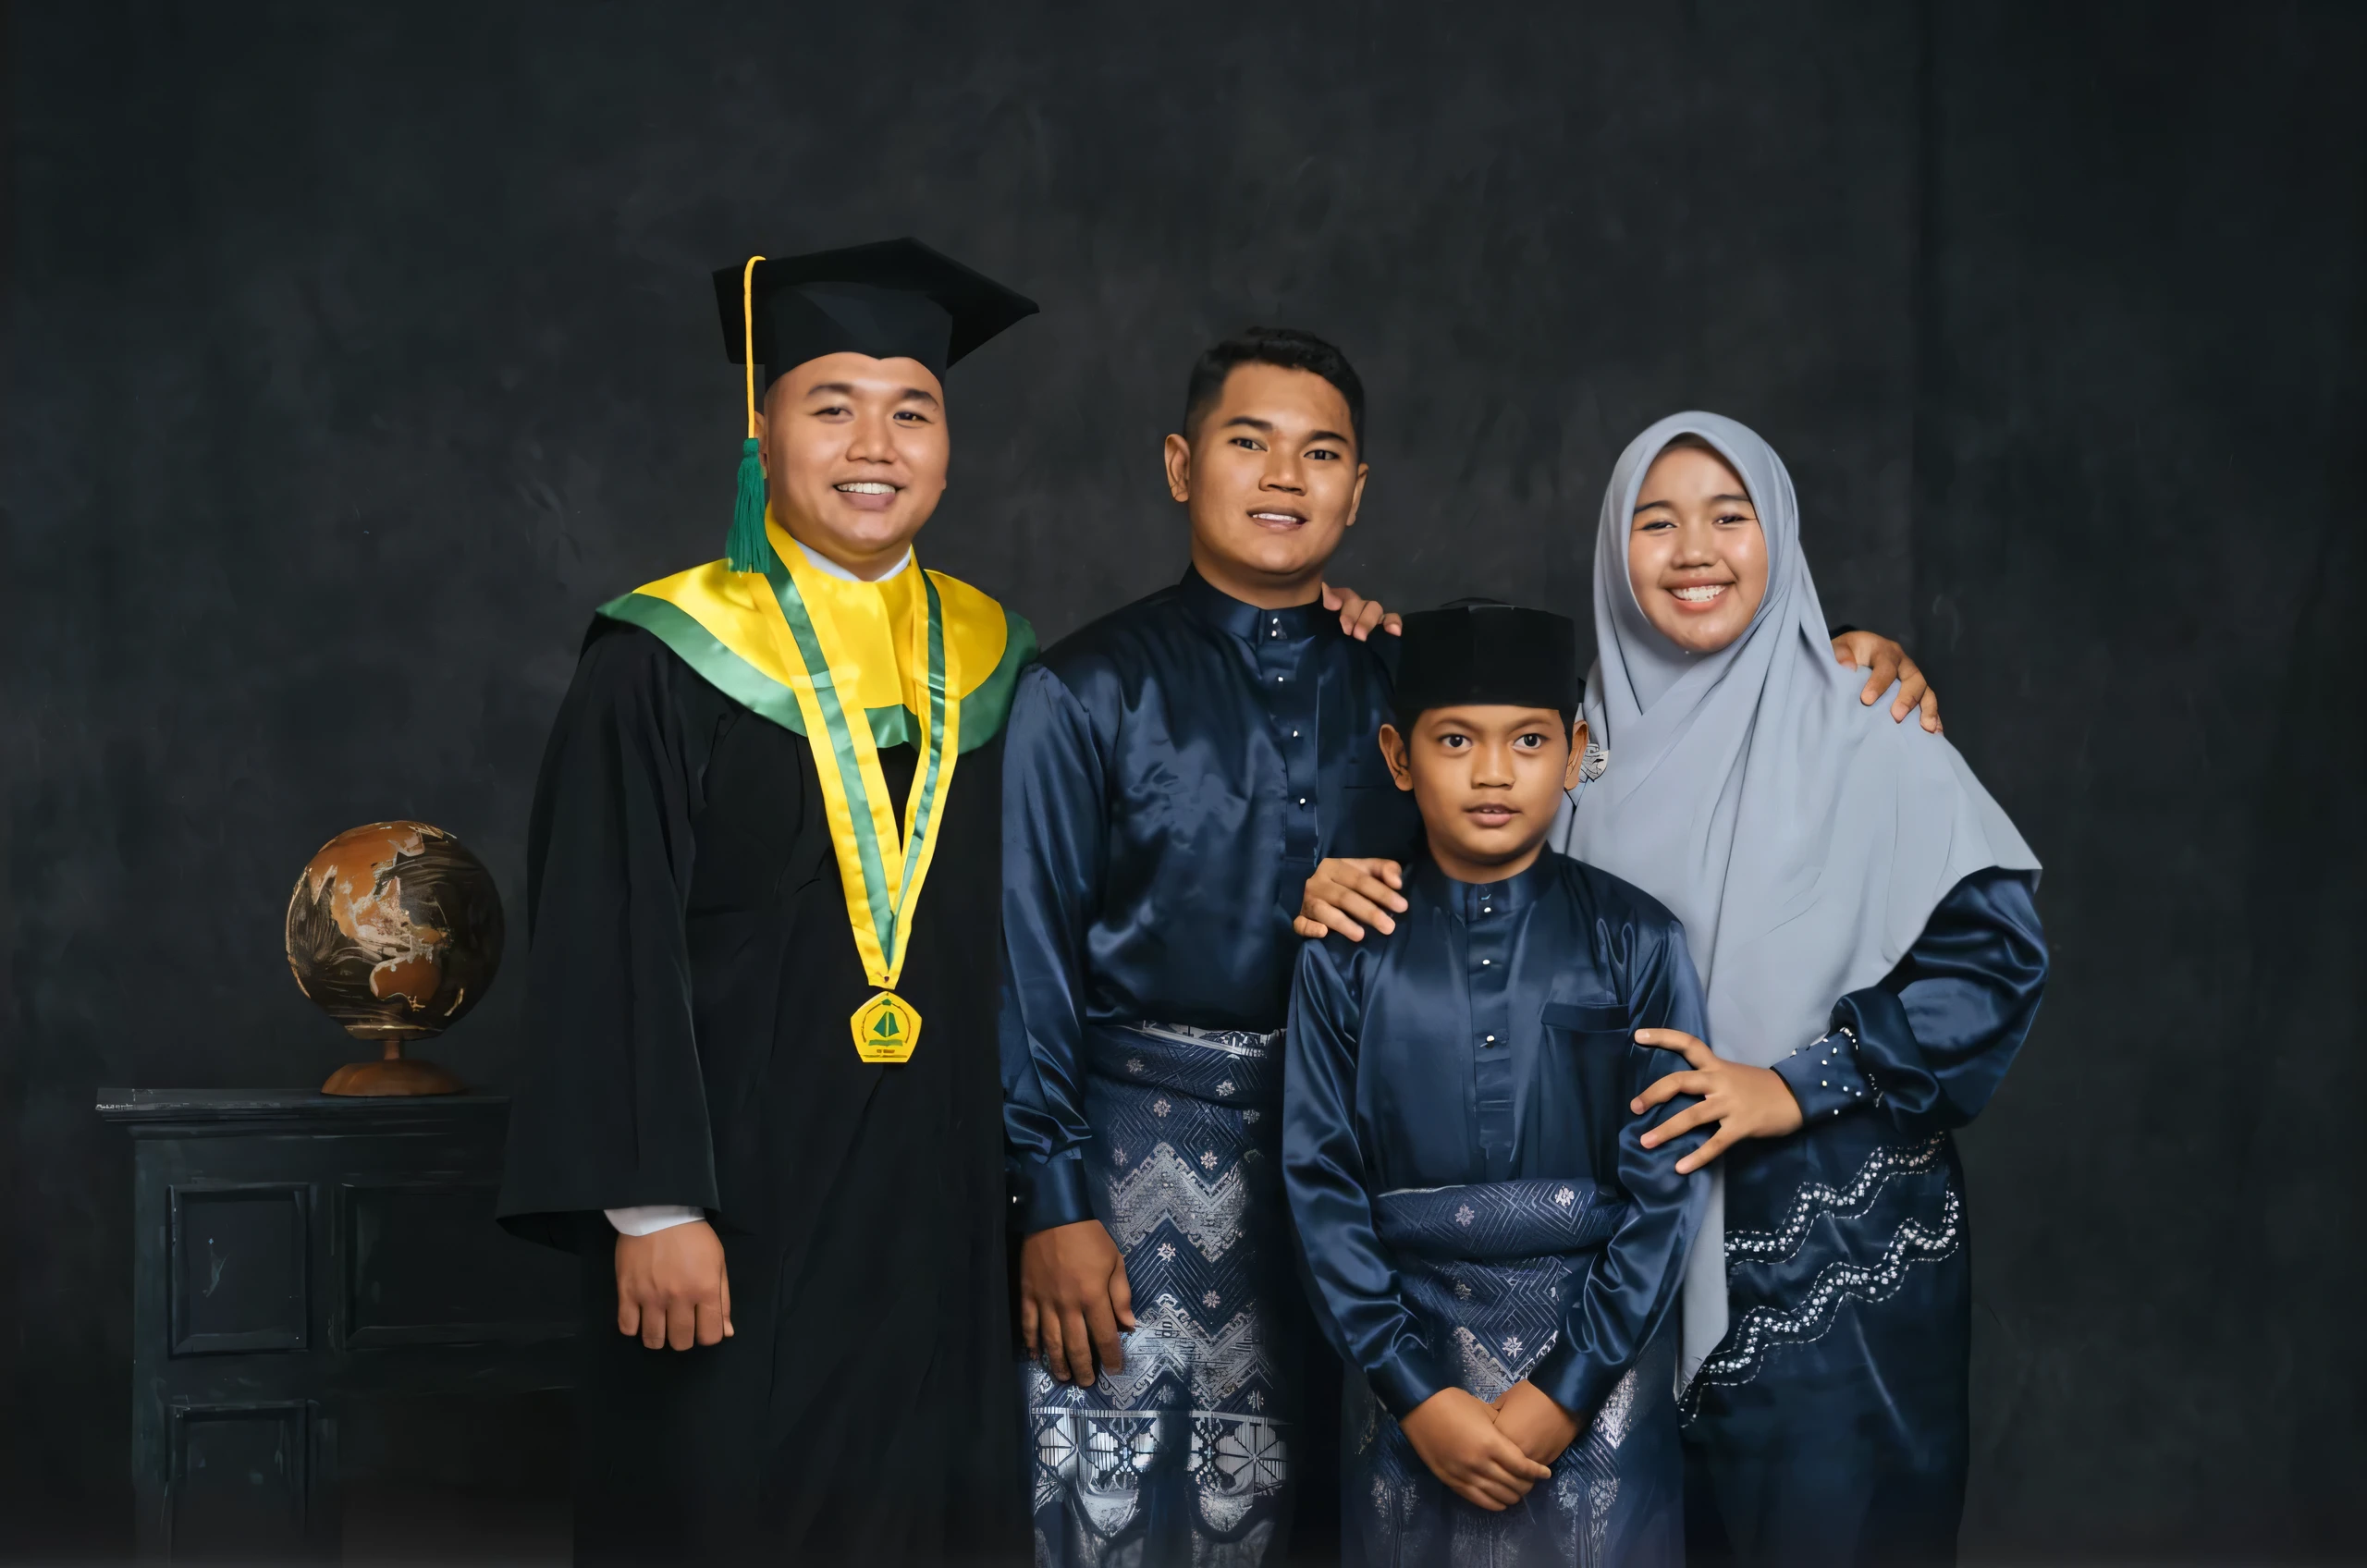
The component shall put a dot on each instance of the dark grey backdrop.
(355, 352)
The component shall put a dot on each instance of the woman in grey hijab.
(1861, 913)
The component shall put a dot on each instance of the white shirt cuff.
(648, 1218)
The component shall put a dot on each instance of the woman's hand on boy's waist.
(1745, 1101)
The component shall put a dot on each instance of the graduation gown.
(692, 975)
(1476, 1208)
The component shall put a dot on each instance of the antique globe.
(395, 931)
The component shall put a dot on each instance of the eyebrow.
(1266, 428)
(1648, 505)
(846, 389)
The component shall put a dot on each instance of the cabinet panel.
(426, 1264)
(239, 1477)
(239, 1265)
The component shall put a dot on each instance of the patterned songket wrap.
(1489, 1269)
(1183, 1456)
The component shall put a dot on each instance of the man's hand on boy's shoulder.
(1745, 1101)
(1342, 893)
(1532, 1418)
(1455, 1434)
(1359, 616)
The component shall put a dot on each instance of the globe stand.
(393, 1074)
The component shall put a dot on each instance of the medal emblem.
(886, 1029)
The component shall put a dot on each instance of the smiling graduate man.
(765, 848)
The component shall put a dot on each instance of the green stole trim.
(984, 711)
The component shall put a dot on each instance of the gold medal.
(886, 1029)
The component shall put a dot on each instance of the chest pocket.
(1582, 1018)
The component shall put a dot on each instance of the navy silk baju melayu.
(1830, 1426)
(1477, 1207)
(1173, 772)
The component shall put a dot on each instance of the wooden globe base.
(392, 1074)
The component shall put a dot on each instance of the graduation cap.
(1482, 650)
(893, 299)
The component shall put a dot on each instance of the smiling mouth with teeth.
(864, 488)
(1701, 593)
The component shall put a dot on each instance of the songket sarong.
(1488, 1270)
(1182, 1458)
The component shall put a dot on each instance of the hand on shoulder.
(1347, 895)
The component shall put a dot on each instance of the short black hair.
(1284, 346)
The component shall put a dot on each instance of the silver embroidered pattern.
(1231, 1042)
(1618, 1405)
(1169, 1341)
(1848, 1202)
(1602, 1496)
(1483, 1373)
(1763, 1327)
(1164, 1187)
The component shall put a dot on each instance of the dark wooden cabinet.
(295, 1256)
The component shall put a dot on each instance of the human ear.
(1356, 496)
(764, 446)
(1178, 467)
(1577, 758)
(1392, 751)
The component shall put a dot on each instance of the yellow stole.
(918, 658)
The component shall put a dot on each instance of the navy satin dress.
(1477, 1207)
(1173, 774)
(1829, 1427)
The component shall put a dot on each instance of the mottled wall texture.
(355, 352)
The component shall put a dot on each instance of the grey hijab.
(1802, 836)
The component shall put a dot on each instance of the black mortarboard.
(1477, 651)
(892, 300)
(895, 299)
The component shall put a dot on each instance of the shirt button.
(1302, 800)
(1491, 1040)
(1278, 680)
(1486, 962)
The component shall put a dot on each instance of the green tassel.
(747, 549)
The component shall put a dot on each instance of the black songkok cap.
(1479, 651)
(895, 299)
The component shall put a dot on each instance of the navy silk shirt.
(1489, 1038)
(1171, 774)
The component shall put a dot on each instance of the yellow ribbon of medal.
(880, 870)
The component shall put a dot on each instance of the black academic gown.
(691, 980)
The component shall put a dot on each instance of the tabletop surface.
(218, 1105)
